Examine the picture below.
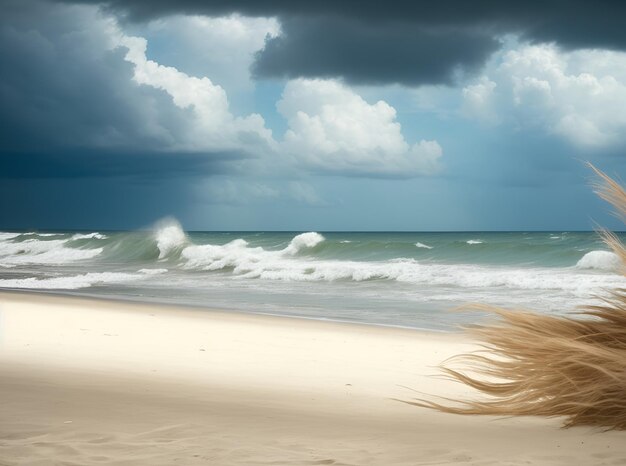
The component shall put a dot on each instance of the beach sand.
(90, 382)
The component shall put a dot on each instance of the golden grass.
(536, 364)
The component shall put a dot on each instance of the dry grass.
(535, 364)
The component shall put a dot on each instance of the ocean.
(396, 278)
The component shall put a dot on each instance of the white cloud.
(332, 129)
(103, 90)
(579, 95)
(213, 126)
(222, 47)
(478, 100)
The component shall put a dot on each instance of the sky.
(294, 115)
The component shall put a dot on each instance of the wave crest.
(303, 241)
(96, 235)
(33, 251)
(169, 237)
(74, 282)
(600, 260)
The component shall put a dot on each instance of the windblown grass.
(536, 364)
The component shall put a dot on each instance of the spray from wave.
(303, 241)
(170, 237)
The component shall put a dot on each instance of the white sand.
(85, 382)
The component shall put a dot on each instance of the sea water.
(402, 279)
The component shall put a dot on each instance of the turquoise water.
(405, 279)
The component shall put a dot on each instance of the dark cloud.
(69, 107)
(443, 13)
(61, 87)
(365, 53)
(103, 164)
(398, 41)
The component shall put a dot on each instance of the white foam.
(423, 246)
(169, 237)
(45, 235)
(4, 235)
(474, 241)
(33, 251)
(555, 237)
(303, 241)
(69, 283)
(152, 271)
(242, 261)
(89, 236)
(231, 255)
(600, 260)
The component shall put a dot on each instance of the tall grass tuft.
(535, 364)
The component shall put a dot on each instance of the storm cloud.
(72, 105)
(362, 53)
(411, 43)
(243, 114)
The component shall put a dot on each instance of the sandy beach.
(86, 382)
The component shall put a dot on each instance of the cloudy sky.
(326, 115)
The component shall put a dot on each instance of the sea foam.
(74, 282)
(96, 235)
(242, 261)
(600, 260)
(44, 235)
(169, 237)
(249, 261)
(307, 257)
(4, 235)
(303, 241)
(33, 251)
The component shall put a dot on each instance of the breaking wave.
(250, 262)
(68, 283)
(32, 260)
(303, 241)
(169, 237)
(600, 260)
(246, 262)
(48, 252)
(78, 236)
(5, 236)
(76, 282)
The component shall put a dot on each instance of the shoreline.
(199, 307)
(88, 382)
